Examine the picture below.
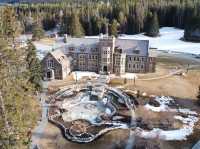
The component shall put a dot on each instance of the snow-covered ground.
(77, 75)
(178, 134)
(169, 40)
(125, 76)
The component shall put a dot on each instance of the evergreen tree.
(10, 27)
(38, 32)
(64, 27)
(130, 25)
(34, 66)
(198, 96)
(152, 25)
(170, 13)
(122, 21)
(76, 28)
(97, 24)
(192, 26)
(17, 113)
(48, 22)
(114, 28)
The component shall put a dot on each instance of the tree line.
(19, 80)
(87, 17)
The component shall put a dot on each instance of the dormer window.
(71, 48)
(136, 51)
(82, 49)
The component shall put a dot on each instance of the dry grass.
(56, 84)
(178, 86)
(47, 41)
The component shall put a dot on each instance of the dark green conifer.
(38, 32)
(75, 27)
(33, 66)
(114, 28)
(152, 25)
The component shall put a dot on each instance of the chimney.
(65, 38)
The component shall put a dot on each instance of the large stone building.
(102, 55)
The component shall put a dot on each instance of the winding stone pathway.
(196, 146)
(38, 131)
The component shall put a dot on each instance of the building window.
(82, 49)
(50, 63)
(57, 71)
(71, 48)
(136, 51)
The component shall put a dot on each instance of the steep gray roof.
(60, 57)
(81, 43)
(130, 46)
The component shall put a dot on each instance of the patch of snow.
(129, 76)
(50, 32)
(169, 40)
(108, 111)
(124, 76)
(25, 37)
(187, 111)
(163, 101)
(42, 49)
(161, 108)
(104, 100)
(178, 134)
(77, 75)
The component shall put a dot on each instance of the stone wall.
(56, 68)
(136, 64)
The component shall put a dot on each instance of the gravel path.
(38, 131)
(197, 146)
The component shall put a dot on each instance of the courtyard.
(157, 121)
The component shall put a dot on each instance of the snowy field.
(178, 134)
(169, 40)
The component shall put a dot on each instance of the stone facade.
(55, 66)
(105, 55)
